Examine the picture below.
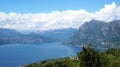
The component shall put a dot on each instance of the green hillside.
(88, 57)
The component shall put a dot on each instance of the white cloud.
(57, 19)
(108, 13)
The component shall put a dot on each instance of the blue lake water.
(15, 55)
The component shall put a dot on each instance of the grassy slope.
(110, 58)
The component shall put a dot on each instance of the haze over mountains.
(99, 33)
(11, 36)
(58, 26)
(59, 35)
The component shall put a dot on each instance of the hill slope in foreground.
(88, 57)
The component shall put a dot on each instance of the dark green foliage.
(65, 62)
(114, 56)
(89, 58)
(113, 51)
(103, 58)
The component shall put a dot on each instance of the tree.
(88, 57)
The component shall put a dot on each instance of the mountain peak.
(98, 33)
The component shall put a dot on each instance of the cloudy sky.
(55, 14)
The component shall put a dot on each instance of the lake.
(18, 54)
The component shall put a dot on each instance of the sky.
(55, 14)
(46, 6)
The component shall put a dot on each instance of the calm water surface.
(14, 55)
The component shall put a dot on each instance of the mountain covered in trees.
(10, 36)
(99, 33)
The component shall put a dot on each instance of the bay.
(13, 55)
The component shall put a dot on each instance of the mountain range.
(10, 36)
(59, 35)
(98, 33)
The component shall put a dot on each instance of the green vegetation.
(63, 62)
(88, 57)
(91, 58)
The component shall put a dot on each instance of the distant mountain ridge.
(10, 36)
(99, 33)
(59, 35)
